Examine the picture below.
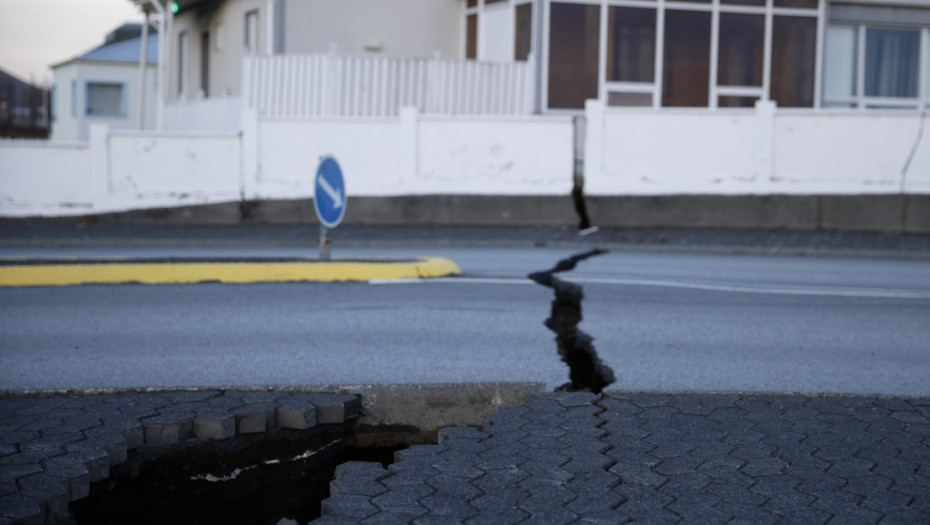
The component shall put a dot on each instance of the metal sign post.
(329, 200)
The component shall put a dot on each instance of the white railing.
(330, 85)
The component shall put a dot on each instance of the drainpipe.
(143, 65)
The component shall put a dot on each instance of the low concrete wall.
(879, 213)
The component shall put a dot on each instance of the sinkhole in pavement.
(279, 479)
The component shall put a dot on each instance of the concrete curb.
(117, 271)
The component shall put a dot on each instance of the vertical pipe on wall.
(143, 66)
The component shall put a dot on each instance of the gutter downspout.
(143, 65)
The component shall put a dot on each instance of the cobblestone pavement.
(53, 447)
(659, 458)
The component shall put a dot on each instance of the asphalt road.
(662, 321)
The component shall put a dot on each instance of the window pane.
(812, 4)
(104, 99)
(794, 48)
(631, 44)
(471, 36)
(629, 99)
(573, 54)
(891, 57)
(744, 2)
(523, 32)
(686, 59)
(741, 45)
(736, 102)
(839, 73)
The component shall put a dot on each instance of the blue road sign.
(329, 196)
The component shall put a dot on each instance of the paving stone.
(637, 474)
(296, 414)
(593, 482)
(348, 506)
(546, 512)
(74, 472)
(53, 491)
(166, 429)
(448, 505)
(461, 433)
(333, 408)
(590, 502)
(501, 499)
(451, 485)
(213, 424)
(498, 516)
(546, 489)
(255, 418)
(95, 458)
(356, 485)
(18, 508)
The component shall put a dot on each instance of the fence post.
(594, 146)
(410, 146)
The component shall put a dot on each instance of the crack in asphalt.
(586, 370)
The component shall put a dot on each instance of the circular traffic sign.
(329, 195)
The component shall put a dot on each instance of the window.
(523, 32)
(891, 62)
(840, 64)
(105, 99)
(183, 43)
(687, 58)
(74, 98)
(471, 36)
(740, 50)
(250, 41)
(794, 44)
(872, 67)
(205, 63)
(631, 44)
(573, 54)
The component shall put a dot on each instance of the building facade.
(104, 86)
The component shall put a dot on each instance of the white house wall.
(73, 124)
(413, 28)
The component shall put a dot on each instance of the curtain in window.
(891, 62)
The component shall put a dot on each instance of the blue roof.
(125, 51)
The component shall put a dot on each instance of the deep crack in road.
(586, 370)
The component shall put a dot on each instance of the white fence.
(330, 85)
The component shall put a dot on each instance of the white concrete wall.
(760, 151)
(278, 158)
(117, 171)
(45, 178)
(413, 155)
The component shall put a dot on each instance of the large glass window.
(523, 31)
(105, 99)
(839, 69)
(742, 42)
(631, 44)
(686, 70)
(794, 57)
(573, 54)
(891, 62)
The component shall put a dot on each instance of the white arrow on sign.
(333, 194)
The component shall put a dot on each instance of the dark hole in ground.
(278, 479)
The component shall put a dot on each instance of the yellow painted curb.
(179, 272)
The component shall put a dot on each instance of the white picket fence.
(328, 85)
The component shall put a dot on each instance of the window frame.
(859, 100)
(121, 113)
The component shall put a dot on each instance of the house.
(23, 108)
(861, 54)
(104, 86)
